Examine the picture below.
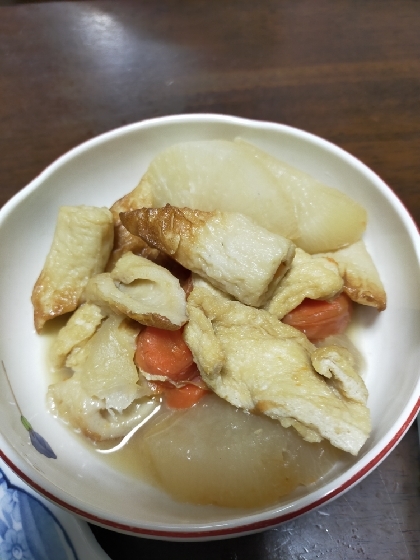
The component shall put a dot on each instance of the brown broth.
(215, 454)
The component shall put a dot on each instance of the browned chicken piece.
(255, 362)
(80, 248)
(228, 249)
(141, 290)
(310, 276)
(362, 282)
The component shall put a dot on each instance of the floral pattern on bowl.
(31, 528)
(40, 444)
(28, 530)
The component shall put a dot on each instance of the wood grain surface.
(347, 70)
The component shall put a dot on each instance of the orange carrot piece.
(162, 352)
(184, 397)
(318, 319)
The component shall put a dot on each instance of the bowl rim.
(270, 518)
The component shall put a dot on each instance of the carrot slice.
(162, 352)
(318, 319)
(184, 397)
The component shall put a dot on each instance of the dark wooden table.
(347, 70)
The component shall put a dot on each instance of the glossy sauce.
(215, 454)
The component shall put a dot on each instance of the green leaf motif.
(40, 444)
(26, 423)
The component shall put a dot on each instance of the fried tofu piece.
(81, 246)
(310, 276)
(343, 341)
(105, 398)
(255, 362)
(107, 363)
(141, 290)
(89, 414)
(124, 241)
(81, 326)
(228, 249)
(362, 282)
(338, 364)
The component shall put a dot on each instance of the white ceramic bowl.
(97, 173)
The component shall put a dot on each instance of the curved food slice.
(257, 363)
(81, 326)
(220, 175)
(310, 276)
(124, 241)
(141, 290)
(339, 365)
(81, 246)
(328, 219)
(228, 249)
(362, 282)
(105, 397)
(89, 414)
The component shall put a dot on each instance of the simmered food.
(239, 177)
(142, 290)
(222, 316)
(218, 175)
(104, 398)
(82, 242)
(229, 249)
(361, 279)
(257, 363)
(310, 276)
(328, 219)
(234, 459)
